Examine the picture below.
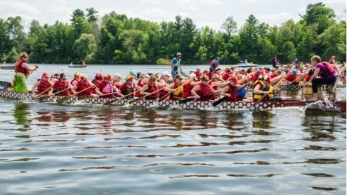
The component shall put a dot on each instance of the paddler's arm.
(144, 89)
(194, 90)
(137, 87)
(257, 90)
(92, 84)
(240, 86)
(33, 89)
(337, 69)
(315, 74)
(195, 83)
(170, 88)
(117, 91)
(97, 90)
(219, 84)
(225, 90)
(25, 65)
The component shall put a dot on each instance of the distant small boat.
(84, 65)
(7, 67)
(245, 65)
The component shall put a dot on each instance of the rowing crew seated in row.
(204, 89)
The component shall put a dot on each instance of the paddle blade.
(111, 101)
(61, 100)
(186, 100)
(134, 100)
(43, 97)
(216, 103)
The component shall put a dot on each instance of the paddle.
(274, 88)
(4, 85)
(143, 97)
(194, 98)
(117, 99)
(49, 88)
(216, 103)
(61, 100)
(47, 96)
(168, 94)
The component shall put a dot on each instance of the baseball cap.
(294, 71)
(45, 74)
(107, 77)
(233, 79)
(166, 73)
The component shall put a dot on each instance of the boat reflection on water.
(262, 119)
(20, 113)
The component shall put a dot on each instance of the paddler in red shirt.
(106, 87)
(203, 91)
(187, 88)
(44, 86)
(129, 87)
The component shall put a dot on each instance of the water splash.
(175, 107)
(321, 104)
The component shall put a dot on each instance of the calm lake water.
(53, 149)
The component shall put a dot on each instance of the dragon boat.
(336, 106)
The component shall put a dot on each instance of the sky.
(210, 13)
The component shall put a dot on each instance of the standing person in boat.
(43, 86)
(106, 87)
(274, 61)
(262, 87)
(62, 85)
(203, 91)
(191, 83)
(150, 88)
(22, 72)
(129, 86)
(86, 85)
(175, 87)
(175, 64)
(231, 88)
(214, 65)
(326, 72)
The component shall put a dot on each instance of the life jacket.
(178, 93)
(107, 89)
(205, 92)
(127, 89)
(226, 76)
(152, 88)
(231, 91)
(82, 86)
(44, 85)
(198, 74)
(264, 87)
(60, 86)
(19, 68)
(137, 94)
(187, 90)
(329, 69)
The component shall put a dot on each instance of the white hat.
(118, 75)
(179, 54)
(192, 75)
(146, 75)
(166, 73)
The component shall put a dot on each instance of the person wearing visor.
(129, 87)
(175, 64)
(262, 87)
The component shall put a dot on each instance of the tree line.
(117, 39)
